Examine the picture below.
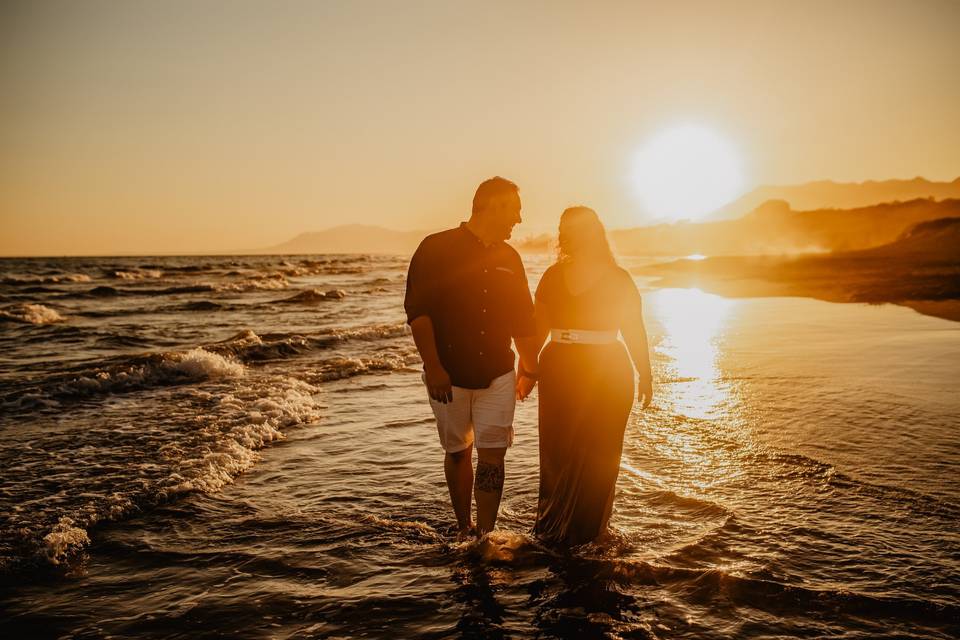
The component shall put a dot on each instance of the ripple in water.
(189, 448)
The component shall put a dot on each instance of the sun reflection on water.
(684, 446)
(693, 323)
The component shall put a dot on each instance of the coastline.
(928, 286)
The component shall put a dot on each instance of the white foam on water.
(310, 295)
(158, 370)
(139, 274)
(202, 439)
(266, 282)
(501, 547)
(245, 338)
(192, 366)
(64, 540)
(72, 277)
(338, 368)
(413, 528)
(31, 313)
(200, 364)
(245, 421)
(67, 277)
(373, 332)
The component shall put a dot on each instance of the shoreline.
(929, 288)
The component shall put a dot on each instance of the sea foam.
(139, 372)
(30, 313)
(67, 277)
(139, 274)
(245, 421)
(201, 438)
(199, 364)
(64, 540)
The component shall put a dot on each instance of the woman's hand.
(645, 390)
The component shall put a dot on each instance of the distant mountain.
(351, 238)
(776, 228)
(826, 194)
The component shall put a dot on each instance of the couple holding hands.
(467, 299)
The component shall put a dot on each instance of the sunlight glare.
(693, 322)
(687, 171)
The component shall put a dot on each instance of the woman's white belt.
(582, 336)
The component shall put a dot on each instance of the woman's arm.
(635, 335)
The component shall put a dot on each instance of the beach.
(242, 445)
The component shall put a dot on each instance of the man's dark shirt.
(477, 299)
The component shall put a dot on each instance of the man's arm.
(438, 380)
(527, 335)
(418, 302)
(529, 348)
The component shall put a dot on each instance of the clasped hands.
(525, 385)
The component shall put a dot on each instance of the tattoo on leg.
(489, 477)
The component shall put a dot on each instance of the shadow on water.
(509, 584)
(403, 578)
(475, 591)
(578, 603)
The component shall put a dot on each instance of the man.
(467, 296)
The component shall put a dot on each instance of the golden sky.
(139, 127)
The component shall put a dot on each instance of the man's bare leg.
(458, 468)
(489, 487)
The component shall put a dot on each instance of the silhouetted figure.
(586, 379)
(467, 297)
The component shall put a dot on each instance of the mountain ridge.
(775, 228)
(715, 235)
(826, 194)
(350, 238)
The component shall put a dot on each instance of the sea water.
(204, 446)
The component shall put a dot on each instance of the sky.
(133, 127)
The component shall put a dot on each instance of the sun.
(687, 171)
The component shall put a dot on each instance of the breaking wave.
(313, 296)
(30, 314)
(225, 359)
(339, 368)
(141, 372)
(202, 439)
(136, 274)
(57, 279)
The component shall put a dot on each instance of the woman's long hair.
(591, 237)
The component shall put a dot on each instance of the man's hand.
(524, 386)
(645, 391)
(438, 384)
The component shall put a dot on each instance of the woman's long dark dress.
(586, 393)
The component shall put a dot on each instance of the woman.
(586, 379)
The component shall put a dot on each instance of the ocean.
(242, 446)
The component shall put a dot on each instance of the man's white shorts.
(482, 414)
